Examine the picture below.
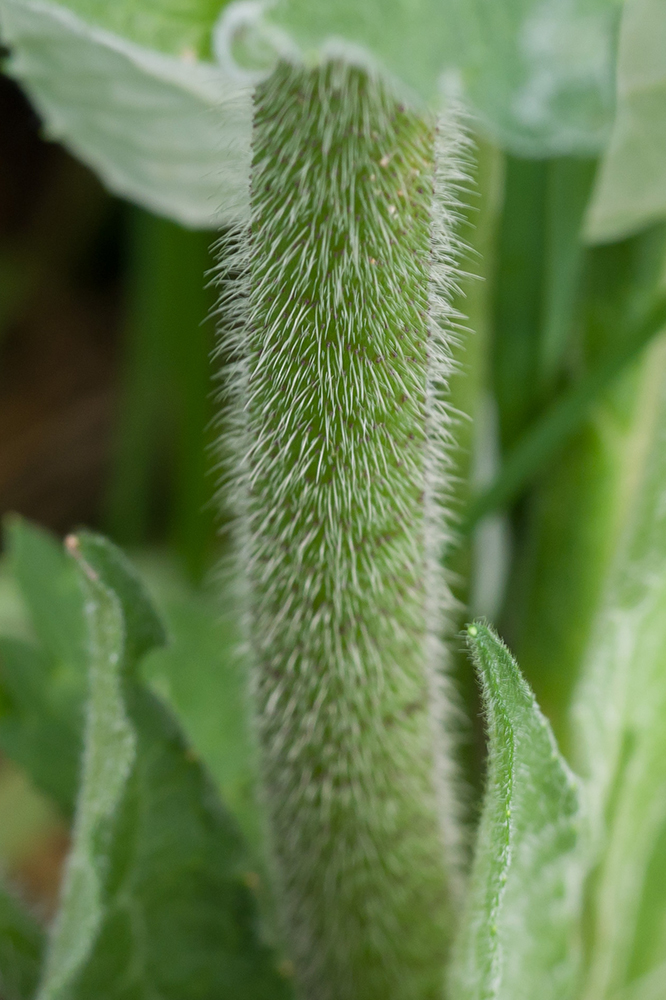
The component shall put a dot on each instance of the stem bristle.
(341, 343)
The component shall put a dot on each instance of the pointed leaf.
(21, 946)
(170, 133)
(155, 900)
(520, 936)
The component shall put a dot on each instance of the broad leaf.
(168, 132)
(170, 26)
(155, 901)
(631, 190)
(539, 73)
(520, 937)
(21, 946)
(124, 86)
(620, 729)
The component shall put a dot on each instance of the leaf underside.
(129, 88)
(631, 190)
(171, 133)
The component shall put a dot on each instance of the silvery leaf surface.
(520, 936)
(167, 131)
(127, 86)
(537, 74)
(631, 190)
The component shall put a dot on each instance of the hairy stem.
(344, 433)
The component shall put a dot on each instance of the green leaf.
(50, 588)
(631, 189)
(14, 619)
(21, 946)
(124, 86)
(520, 937)
(157, 872)
(40, 725)
(202, 675)
(168, 132)
(167, 25)
(620, 725)
(539, 73)
(43, 689)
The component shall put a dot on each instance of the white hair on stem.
(337, 318)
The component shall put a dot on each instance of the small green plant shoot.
(441, 429)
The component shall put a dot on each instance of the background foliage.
(106, 400)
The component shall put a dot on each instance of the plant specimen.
(331, 143)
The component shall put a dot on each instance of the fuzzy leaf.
(155, 901)
(21, 945)
(168, 132)
(520, 935)
(539, 73)
(620, 730)
(631, 190)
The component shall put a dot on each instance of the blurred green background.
(106, 399)
(107, 405)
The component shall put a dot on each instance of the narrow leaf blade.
(520, 935)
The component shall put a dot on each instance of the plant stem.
(551, 432)
(344, 431)
(161, 428)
